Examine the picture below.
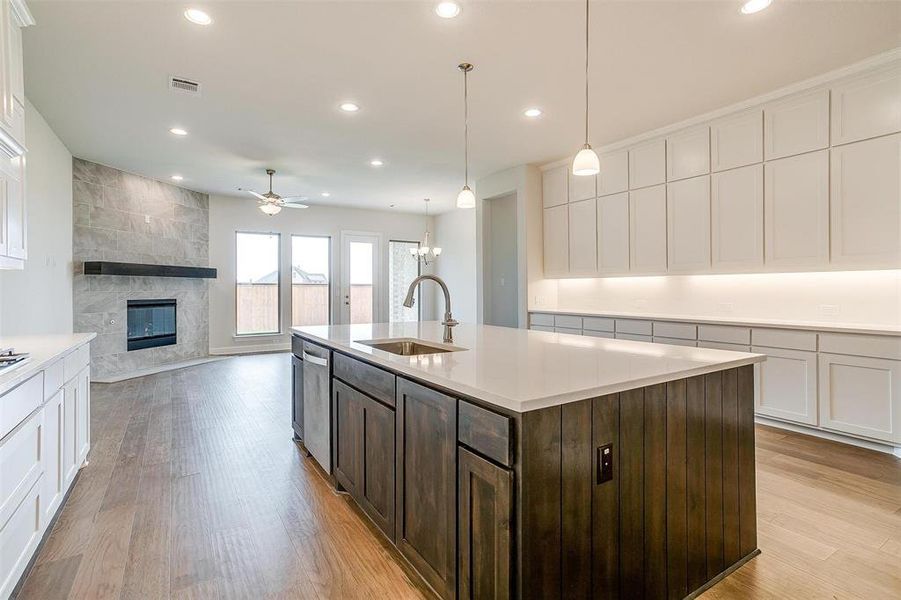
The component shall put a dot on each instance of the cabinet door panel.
(348, 434)
(15, 211)
(797, 124)
(554, 186)
(614, 175)
(426, 519)
(83, 416)
(688, 153)
(736, 140)
(297, 397)
(4, 212)
(866, 107)
(581, 187)
(70, 425)
(736, 213)
(647, 228)
(647, 164)
(556, 241)
(796, 209)
(377, 485)
(688, 225)
(861, 396)
(52, 455)
(583, 237)
(19, 538)
(613, 234)
(786, 385)
(865, 211)
(486, 511)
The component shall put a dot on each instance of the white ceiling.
(273, 74)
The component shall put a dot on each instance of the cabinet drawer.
(725, 333)
(785, 338)
(543, 319)
(20, 465)
(54, 378)
(599, 334)
(20, 402)
(568, 321)
(297, 346)
(674, 341)
(77, 360)
(486, 432)
(724, 346)
(542, 328)
(861, 345)
(681, 331)
(19, 537)
(568, 330)
(634, 327)
(633, 337)
(598, 324)
(374, 381)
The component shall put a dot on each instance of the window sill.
(256, 336)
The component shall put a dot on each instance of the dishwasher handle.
(315, 360)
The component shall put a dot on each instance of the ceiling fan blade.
(294, 204)
(259, 196)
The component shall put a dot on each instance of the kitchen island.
(516, 463)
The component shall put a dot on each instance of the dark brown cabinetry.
(485, 511)
(364, 461)
(426, 523)
(297, 397)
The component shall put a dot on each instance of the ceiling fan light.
(586, 162)
(466, 199)
(436, 251)
(270, 209)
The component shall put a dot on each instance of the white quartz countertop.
(826, 326)
(44, 349)
(524, 370)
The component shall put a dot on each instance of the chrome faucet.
(448, 321)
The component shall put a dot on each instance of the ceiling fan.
(271, 203)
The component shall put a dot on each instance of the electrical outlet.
(829, 310)
(605, 463)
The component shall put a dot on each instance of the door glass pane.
(361, 282)
(310, 282)
(257, 269)
(403, 268)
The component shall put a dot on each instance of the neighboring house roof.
(298, 275)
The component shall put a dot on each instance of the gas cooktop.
(9, 357)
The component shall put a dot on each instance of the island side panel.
(696, 530)
(577, 483)
(747, 480)
(731, 526)
(714, 464)
(605, 501)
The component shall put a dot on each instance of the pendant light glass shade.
(270, 209)
(466, 199)
(586, 162)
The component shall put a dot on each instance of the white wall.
(230, 214)
(38, 299)
(860, 297)
(455, 233)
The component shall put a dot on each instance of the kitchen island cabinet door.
(486, 510)
(376, 486)
(348, 433)
(426, 493)
(297, 398)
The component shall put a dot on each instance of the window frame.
(330, 278)
(388, 279)
(280, 330)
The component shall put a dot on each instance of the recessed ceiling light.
(447, 10)
(198, 17)
(349, 107)
(178, 131)
(376, 162)
(532, 113)
(177, 178)
(326, 194)
(753, 6)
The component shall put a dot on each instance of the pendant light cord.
(586, 72)
(466, 127)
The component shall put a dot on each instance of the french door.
(361, 276)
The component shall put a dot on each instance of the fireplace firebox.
(151, 323)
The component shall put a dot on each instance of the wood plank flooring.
(195, 490)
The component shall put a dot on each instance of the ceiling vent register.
(185, 86)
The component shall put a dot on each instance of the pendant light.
(586, 162)
(465, 199)
(426, 253)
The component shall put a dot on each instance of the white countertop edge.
(747, 322)
(39, 360)
(534, 404)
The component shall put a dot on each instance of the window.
(403, 268)
(258, 276)
(310, 281)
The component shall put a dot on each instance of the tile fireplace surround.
(111, 213)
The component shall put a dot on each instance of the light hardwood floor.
(195, 490)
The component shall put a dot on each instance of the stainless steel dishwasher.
(317, 404)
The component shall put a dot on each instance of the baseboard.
(829, 435)
(157, 369)
(250, 349)
(729, 570)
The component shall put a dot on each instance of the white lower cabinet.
(83, 415)
(786, 385)
(19, 538)
(861, 396)
(53, 480)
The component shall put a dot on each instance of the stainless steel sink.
(409, 346)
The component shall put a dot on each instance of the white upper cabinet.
(647, 229)
(796, 209)
(736, 213)
(736, 140)
(688, 225)
(15, 213)
(688, 153)
(866, 203)
(581, 187)
(556, 241)
(797, 124)
(554, 188)
(866, 107)
(647, 164)
(583, 237)
(613, 234)
(614, 175)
